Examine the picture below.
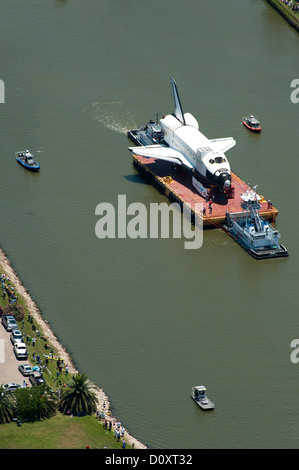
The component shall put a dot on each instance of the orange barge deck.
(178, 188)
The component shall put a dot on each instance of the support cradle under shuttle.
(185, 145)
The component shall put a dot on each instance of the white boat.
(198, 394)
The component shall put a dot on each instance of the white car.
(20, 351)
(9, 322)
(16, 337)
(11, 387)
(25, 369)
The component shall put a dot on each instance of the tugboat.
(150, 134)
(252, 123)
(26, 159)
(252, 232)
(198, 394)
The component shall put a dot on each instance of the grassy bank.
(42, 347)
(59, 432)
(287, 12)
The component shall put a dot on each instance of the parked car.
(16, 337)
(9, 322)
(25, 369)
(20, 351)
(36, 378)
(11, 387)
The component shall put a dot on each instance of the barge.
(177, 183)
(192, 170)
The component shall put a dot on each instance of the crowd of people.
(7, 289)
(293, 4)
(112, 424)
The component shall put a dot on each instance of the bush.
(16, 310)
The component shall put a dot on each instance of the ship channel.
(146, 319)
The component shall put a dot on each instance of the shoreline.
(282, 9)
(103, 400)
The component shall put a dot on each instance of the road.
(8, 362)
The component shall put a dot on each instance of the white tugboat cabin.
(199, 396)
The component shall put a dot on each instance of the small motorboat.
(252, 123)
(26, 159)
(198, 394)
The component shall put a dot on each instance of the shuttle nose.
(224, 180)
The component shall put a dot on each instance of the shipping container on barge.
(178, 184)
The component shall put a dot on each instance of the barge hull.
(177, 186)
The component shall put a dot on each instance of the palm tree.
(7, 406)
(78, 398)
(35, 403)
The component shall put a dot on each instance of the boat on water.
(26, 159)
(152, 133)
(252, 123)
(252, 232)
(199, 395)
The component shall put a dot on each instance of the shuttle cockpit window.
(220, 160)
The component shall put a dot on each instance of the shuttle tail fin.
(177, 103)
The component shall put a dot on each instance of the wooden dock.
(178, 188)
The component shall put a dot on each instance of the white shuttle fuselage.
(187, 146)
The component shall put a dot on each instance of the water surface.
(147, 319)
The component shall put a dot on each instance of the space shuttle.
(186, 146)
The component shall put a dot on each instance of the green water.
(147, 319)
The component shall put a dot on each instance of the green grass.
(50, 374)
(59, 432)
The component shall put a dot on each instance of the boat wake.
(112, 114)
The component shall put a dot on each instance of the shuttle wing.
(222, 145)
(161, 152)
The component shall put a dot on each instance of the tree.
(35, 403)
(78, 398)
(16, 310)
(7, 406)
